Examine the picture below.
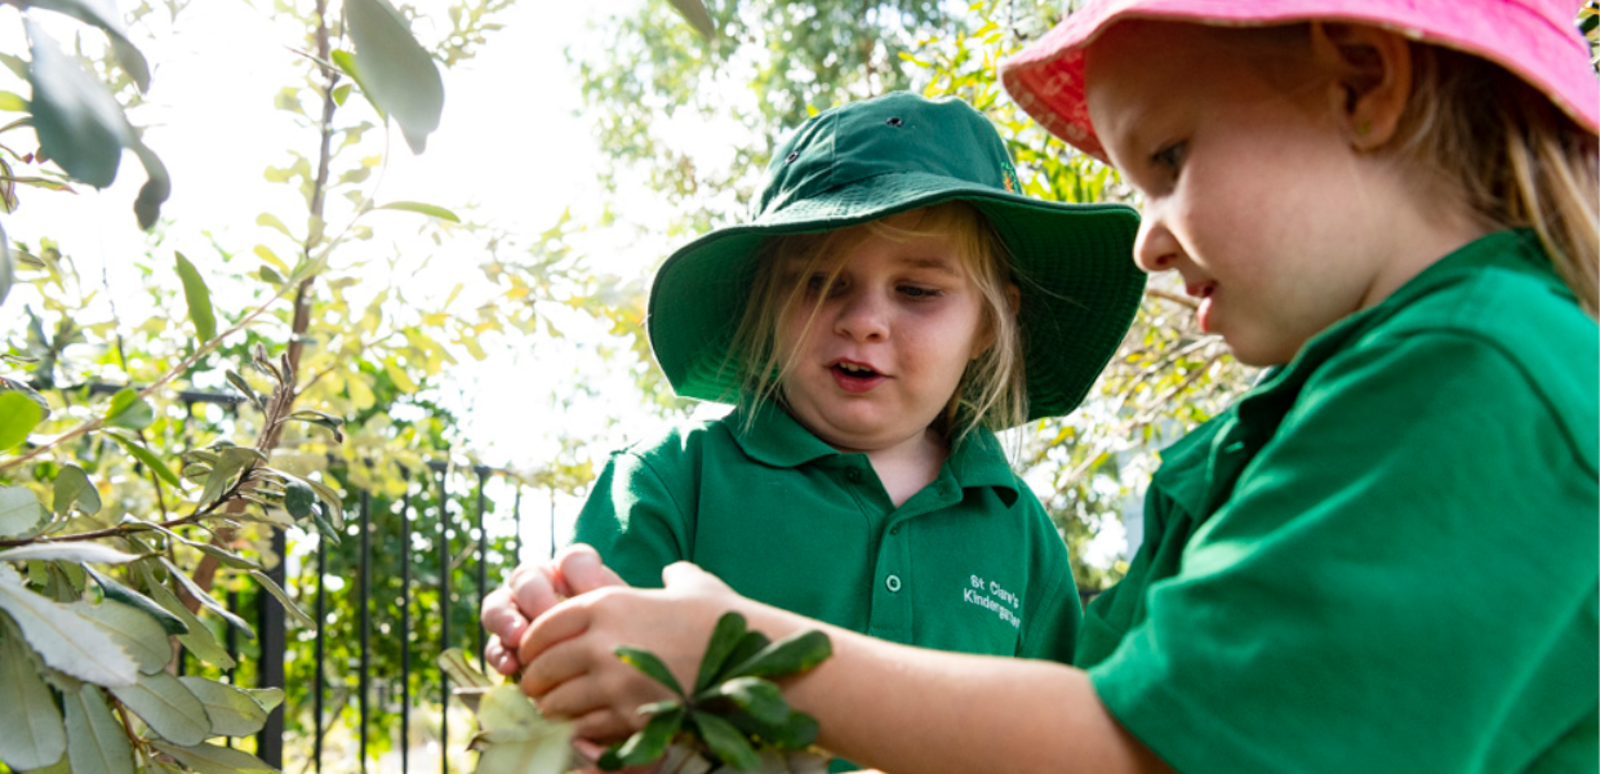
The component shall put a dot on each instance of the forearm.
(905, 709)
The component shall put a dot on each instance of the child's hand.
(530, 591)
(570, 666)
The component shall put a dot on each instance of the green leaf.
(79, 125)
(145, 456)
(243, 386)
(418, 207)
(157, 186)
(454, 663)
(211, 759)
(271, 221)
(289, 606)
(232, 711)
(331, 502)
(96, 742)
(346, 61)
(792, 655)
(647, 662)
(136, 631)
(750, 643)
(114, 590)
(20, 511)
(222, 476)
(74, 487)
(167, 707)
(340, 94)
(129, 410)
(223, 555)
(199, 297)
(207, 601)
(726, 742)
(103, 14)
(647, 745)
(724, 638)
(298, 498)
(31, 732)
(694, 12)
(18, 417)
(67, 552)
(266, 698)
(65, 640)
(516, 739)
(761, 698)
(397, 74)
(13, 102)
(198, 639)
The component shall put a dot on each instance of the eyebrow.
(936, 264)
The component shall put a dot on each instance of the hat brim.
(1074, 263)
(1045, 79)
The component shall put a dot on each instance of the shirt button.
(853, 476)
(895, 530)
(892, 583)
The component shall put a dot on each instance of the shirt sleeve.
(1052, 631)
(634, 521)
(1405, 573)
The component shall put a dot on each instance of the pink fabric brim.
(1045, 79)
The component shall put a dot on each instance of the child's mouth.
(855, 377)
(1202, 313)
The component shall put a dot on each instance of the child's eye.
(919, 292)
(1170, 157)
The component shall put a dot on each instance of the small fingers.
(499, 657)
(580, 568)
(501, 617)
(534, 590)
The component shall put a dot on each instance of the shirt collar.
(773, 437)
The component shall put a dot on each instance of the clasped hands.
(559, 623)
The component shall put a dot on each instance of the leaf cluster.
(735, 715)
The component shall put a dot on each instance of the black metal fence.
(471, 576)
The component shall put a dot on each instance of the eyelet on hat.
(791, 157)
(895, 121)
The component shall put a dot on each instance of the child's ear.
(1372, 81)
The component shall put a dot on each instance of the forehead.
(1138, 72)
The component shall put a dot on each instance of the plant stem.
(173, 373)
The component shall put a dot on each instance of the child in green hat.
(892, 303)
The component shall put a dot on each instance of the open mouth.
(854, 370)
(855, 377)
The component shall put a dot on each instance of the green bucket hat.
(873, 158)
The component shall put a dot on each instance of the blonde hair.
(993, 390)
(1515, 161)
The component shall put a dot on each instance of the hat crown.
(897, 133)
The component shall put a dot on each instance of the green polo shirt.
(971, 563)
(1384, 557)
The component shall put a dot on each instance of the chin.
(1260, 354)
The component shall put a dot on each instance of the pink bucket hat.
(1535, 39)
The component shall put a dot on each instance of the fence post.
(269, 742)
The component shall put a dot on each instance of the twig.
(1173, 297)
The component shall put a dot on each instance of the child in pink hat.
(1386, 555)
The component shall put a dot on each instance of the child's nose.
(862, 317)
(1155, 248)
